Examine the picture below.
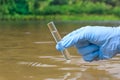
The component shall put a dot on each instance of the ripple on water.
(36, 64)
(111, 66)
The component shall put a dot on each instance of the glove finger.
(59, 46)
(87, 49)
(91, 56)
(71, 39)
(73, 33)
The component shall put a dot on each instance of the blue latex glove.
(93, 42)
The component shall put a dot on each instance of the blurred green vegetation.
(59, 9)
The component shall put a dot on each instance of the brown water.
(27, 52)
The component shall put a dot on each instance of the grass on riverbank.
(61, 17)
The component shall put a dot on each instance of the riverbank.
(60, 17)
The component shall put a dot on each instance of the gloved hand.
(93, 42)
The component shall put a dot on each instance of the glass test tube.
(57, 38)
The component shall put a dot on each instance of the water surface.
(27, 52)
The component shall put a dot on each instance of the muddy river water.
(27, 52)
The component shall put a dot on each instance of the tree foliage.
(51, 7)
